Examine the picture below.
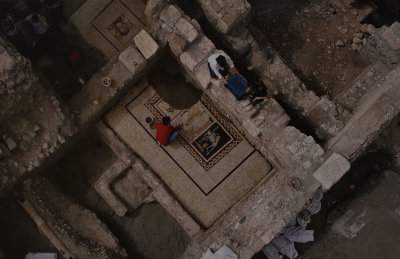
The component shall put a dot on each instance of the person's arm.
(216, 70)
(43, 20)
(230, 64)
(261, 98)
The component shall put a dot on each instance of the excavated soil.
(304, 33)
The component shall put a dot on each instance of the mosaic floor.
(110, 25)
(209, 167)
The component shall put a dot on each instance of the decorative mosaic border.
(206, 164)
(102, 34)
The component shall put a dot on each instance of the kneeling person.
(165, 132)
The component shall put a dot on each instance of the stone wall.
(326, 116)
(79, 229)
(17, 82)
(225, 14)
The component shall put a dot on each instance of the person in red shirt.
(165, 132)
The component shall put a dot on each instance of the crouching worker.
(165, 133)
(257, 94)
(220, 66)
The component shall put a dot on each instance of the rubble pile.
(34, 124)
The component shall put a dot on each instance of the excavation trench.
(297, 120)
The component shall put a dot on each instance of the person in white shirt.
(220, 66)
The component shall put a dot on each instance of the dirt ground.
(304, 33)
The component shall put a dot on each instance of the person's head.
(221, 61)
(303, 217)
(35, 18)
(259, 84)
(166, 120)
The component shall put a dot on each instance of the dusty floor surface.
(147, 232)
(304, 33)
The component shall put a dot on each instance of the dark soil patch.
(19, 233)
(169, 82)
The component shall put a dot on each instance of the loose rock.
(339, 43)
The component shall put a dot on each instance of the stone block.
(170, 15)
(176, 44)
(331, 170)
(251, 128)
(11, 144)
(227, 22)
(216, 6)
(392, 36)
(153, 6)
(102, 186)
(187, 30)
(318, 114)
(146, 44)
(197, 52)
(129, 56)
(202, 74)
(132, 189)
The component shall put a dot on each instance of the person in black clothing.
(257, 94)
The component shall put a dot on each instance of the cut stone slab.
(197, 52)
(170, 15)
(392, 36)
(223, 253)
(131, 55)
(331, 170)
(102, 186)
(146, 44)
(202, 74)
(132, 189)
(187, 30)
(176, 44)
